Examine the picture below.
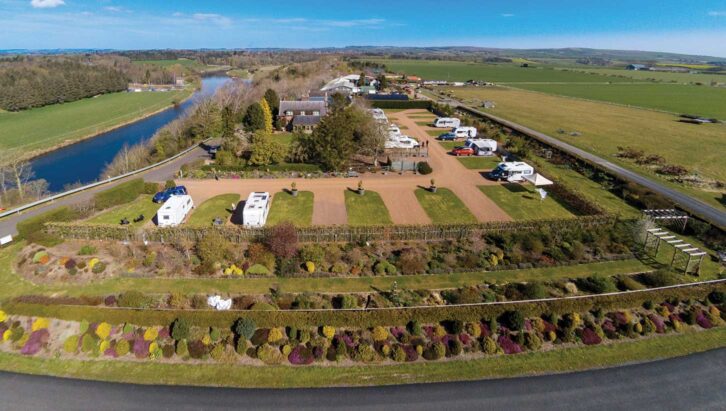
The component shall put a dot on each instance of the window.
(288, 113)
(316, 113)
(302, 112)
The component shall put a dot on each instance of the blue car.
(162, 196)
(447, 137)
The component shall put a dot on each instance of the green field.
(367, 209)
(676, 98)
(523, 203)
(219, 206)
(191, 64)
(444, 207)
(31, 131)
(142, 205)
(480, 163)
(499, 73)
(641, 75)
(604, 127)
(297, 210)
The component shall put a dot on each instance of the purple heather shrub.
(318, 352)
(589, 337)
(702, 320)
(509, 346)
(110, 301)
(485, 331)
(37, 340)
(659, 323)
(411, 353)
(548, 326)
(670, 306)
(609, 328)
(447, 338)
(164, 333)
(141, 347)
(111, 352)
(398, 332)
(620, 318)
(429, 331)
(301, 355)
(527, 325)
(348, 340)
(465, 338)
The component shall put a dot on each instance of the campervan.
(482, 146)
(379, 115)
(464, 132)
(513, 171)
(393, 129)
(174, 210)
(256, 209)
(400, 141)
(447, 122)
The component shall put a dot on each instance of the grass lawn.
(367, 209)
(284, 138)
(444, 207)
(235, 375)
(219, 206)
(522, 203)
(142, 205)
(437, 132)
(297, 210)
(449, 145)
(31, 131)
(480, 163)
(239, 73)
(604, 127)
(640, 75)
(424, 123)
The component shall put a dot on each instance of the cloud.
(353, 23)
(717, 13)
(212, 18)
(507, 14)
(46, 4)
(114, 9)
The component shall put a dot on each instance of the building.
(349, 84)
(636, 67)
(301, 115)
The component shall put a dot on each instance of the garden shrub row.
(286, 167)
(362, 317)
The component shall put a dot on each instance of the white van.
(256, 209)
(511, 171)
(447, 122)
(464, 132)
(174, 210)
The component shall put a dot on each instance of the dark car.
(162, 196)
(447, 137)
(462, 151)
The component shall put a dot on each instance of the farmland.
(187, 63)
(642, 75)
(605, 127)
(36, 130)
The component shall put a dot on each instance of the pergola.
(684, 254)
(668, 215)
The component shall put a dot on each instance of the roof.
(309, 105)
(387, 97)
(256, 201)
(305, 120)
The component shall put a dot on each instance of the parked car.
(162, 196)
(462, 151)
(448, 137)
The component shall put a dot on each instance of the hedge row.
(299, 167)
(123, 193)
(410, 104)
(31, 229)
(362, 318)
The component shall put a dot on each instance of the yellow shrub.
(310, 266)
(152, 347)
(386, 350)
(473, 329)
(207, 339)
(7, 334)
(103, 330)
(286, 349)
(3, 316)
(552, 335)
(638, 328)
(419, 349)
(39, 324)
(151, 334)
(274, 335)
(328, 331)
(93, 262)
(62, 261)
(439, 331)
(380, 334)
(712, 309)
(104, 346)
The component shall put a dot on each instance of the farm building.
(256, 210)
(310, 113)
(636, 67)
(174, 211)
(349, 84)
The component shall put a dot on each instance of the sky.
(683, 26)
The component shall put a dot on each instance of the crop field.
(297, 210)
(523, 203)
(642, 75)
(676, 98)
(605, 127)
(192, 64)
(500, 73)
(219, 206)
(37, 129)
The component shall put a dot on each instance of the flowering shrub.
(3, 316)
(37, 340)
(70, 345)
(141, 347)
(103, 330)
(151, 334)
(41, 257)
(508, 346)
(310, 267)
(589, 337)
(275, 335)
(702, 320)
(380, 334)
(301, 355)
(39, 324)
(328, 332)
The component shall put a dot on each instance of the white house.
(174, 210)
(256, 209)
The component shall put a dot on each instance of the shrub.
(384, 267)
(245, 328)
(532, 341)
(314, 253)
(455, 347)
(628, 283)
(380, 334)
(182, 349)
(122, 347)
(99, 267)
(88, 343)
(534, 291)
(32, 229)
(596, 284)
(121, 194)
(70, 345)
(301, 355)
(328, 332)
(197, 349)
(134, 299)
(41, 257)
(473, 329)
(717, 297)
(661, 278)
(275, 335)
(269, 354)
(424, 168)
(282, 240)
(217, 352)
(103, 330)
(514, 320)
(310, 267)
(365, 353)
(151, 334)
(258, 269)
(87, 250)
(399, 354)
(435, 351)
(213, 248)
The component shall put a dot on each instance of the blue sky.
(687, 26)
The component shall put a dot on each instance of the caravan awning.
(538, 180)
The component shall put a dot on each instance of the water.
(84, 162)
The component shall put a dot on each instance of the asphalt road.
(696, 382)
(690, 204)
(161, 173)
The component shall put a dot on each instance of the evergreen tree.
(254, 118)
(228, 123)
(265, 150)
(267, 112)
(273, 100)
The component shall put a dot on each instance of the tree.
(20, 174)
(254, 118)
(267, 113)
(282, 240)
(273, 100)
(265, 151)
(228, 123)
(382, 81)
(331, 144)
(338, 102)
(180, 329)
(362, 80)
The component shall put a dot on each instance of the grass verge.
(480, 163)
(297, 210)
(219, 206)
(523, 203)
(367, 209)
(444, 207)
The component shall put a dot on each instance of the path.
(694, 382)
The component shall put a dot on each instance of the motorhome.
(393, 129)
(447, 122)
(379, 115)
(256, 209)
(174, 210)
(482, 146)
(400, 141)
(464, 132)
(513, 171)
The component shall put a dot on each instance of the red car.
(462, 151)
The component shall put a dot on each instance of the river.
(84, 161)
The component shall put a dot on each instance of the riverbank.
(28, 135)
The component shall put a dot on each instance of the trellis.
(685, 256)
(668, 216)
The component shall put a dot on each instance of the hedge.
(121, 194)
(31, 229)
(361, 318)
(410, 104)
(299, 167)
(235, 234)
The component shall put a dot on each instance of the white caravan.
(379, 115)
(513, 171)
(256, 209)
(394, 130)
(447, 122)
(482, 146)
(174, 210)
(464, 132)
(400, 141)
